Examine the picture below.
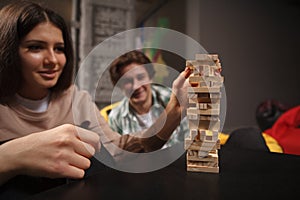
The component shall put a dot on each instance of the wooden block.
(192, 95)
(209, 118)
(207, 69)
(190, 65)
(203, 169)
(199, 100)
(215, 57)
(202, 57)
(216, 84)
(196, 65)
(204, 70)
(203, 112)
(215, 95)
(215, 135)
(202, 135)
(189, 153)
(204, 151)
(203, 106)
(191, 116)
(208, 133)
(202, 163)
(197, 124)
(214, 125)
(187, 143)
(203, 95)
(190, 144)
(209, 138)
(203, 90)
(204, 84)
(194, 133)
(192, 156)
(199, 143)
(213, 106)
(206, 148)
(202, 154)
(199, 79)
(192, 110)
(207, 99)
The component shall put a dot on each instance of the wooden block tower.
(203, 113)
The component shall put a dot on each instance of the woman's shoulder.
(74, 92)
(72, 95)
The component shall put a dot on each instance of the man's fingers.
(182, 77)
(187, 72)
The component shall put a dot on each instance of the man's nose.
(135, 84)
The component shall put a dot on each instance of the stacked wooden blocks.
(203, 113)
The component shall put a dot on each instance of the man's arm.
(159, 133)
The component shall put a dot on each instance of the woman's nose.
(50, 58)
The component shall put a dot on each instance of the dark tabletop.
(244, 174)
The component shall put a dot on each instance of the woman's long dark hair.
(16, 21)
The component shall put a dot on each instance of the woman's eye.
(60, 49)
(34, 47)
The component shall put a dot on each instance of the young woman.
(48, 128)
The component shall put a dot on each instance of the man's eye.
(125, 81)
(141, 77)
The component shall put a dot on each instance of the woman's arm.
(63, 151)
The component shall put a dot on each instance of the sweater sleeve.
(150, 140)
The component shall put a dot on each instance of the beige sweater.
(72, 107)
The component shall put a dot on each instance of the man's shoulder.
(161, 93)
(161, 89)
(119, 109)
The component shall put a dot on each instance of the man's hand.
(179, 96)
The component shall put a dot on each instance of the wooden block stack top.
(203, 113)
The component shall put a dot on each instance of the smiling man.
(144, 101)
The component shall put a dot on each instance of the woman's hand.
(63, 151)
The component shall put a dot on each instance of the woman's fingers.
(79, 161)
(84, 149)
(74, 172)
(63, 151)
(88, 137)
